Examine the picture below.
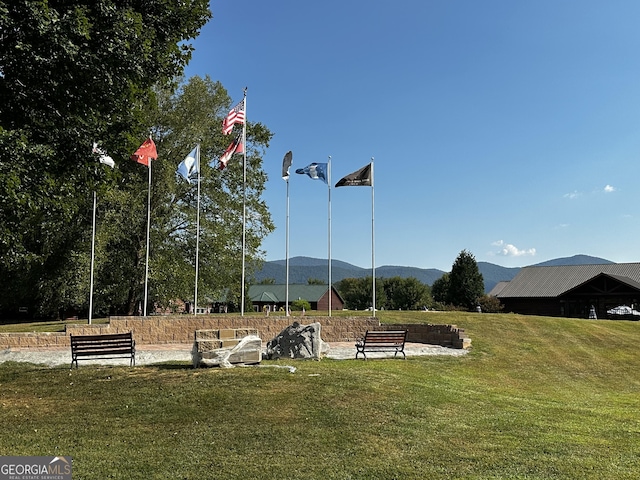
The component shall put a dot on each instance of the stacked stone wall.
(444, 335)
(181, 329)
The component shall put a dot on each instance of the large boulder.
(297, 341)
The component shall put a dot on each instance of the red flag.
(236, 115)
(145, 153)
(235, 147)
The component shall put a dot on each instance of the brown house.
(572, 290)
(274, 296)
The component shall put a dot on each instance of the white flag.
(104, 158)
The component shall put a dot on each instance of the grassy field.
(537, 398)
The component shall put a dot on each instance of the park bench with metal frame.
(107, 346)
(382, 341)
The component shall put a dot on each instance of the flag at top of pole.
(235, 115)
(359, 178)
(286, 164)
(103, 157)
(189, 168)
(145, 153)
(317, 171)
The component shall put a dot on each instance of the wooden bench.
(382, 341)
(114, 345)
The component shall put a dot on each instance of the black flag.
(361, 178)
(286, 163)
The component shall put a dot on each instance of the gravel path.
(150, 354)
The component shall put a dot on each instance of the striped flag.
(235, 147)
(236, 115)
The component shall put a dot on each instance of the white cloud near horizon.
(508, 250)
(609, 188)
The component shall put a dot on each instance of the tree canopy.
(395, 293)
(75, 72)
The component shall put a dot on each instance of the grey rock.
(297, 341)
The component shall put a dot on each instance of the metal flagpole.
(244, 198)
(195, 295)
(286, 164)
(93, 250)
(146, 272)
(373, 243)
(286, 295)
(329, 184)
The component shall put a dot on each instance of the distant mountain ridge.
(575, 260)
(301, 269)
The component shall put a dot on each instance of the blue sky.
(508, 129)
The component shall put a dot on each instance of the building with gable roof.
(571, 290)
(274, 296)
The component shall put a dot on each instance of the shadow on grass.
(170, 366)
(27, 367)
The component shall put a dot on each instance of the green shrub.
(490, 304)
(299, 305)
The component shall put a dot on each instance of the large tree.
(72, 72)
(466, 284)
(189, 116)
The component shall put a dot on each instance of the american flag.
(236, 115)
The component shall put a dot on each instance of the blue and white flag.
(315, 171)
(189, 168)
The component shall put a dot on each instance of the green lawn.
(537, 397)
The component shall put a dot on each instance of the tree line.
(462, 288)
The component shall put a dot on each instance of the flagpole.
(146, 269)
(105, 159)
(373, 243)
(286, 295)
(329, 184)
(244, 198)
(93, 250)
(195, 295)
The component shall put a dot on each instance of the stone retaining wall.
(444, 335)
(181, 329)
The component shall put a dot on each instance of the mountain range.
(301, 269)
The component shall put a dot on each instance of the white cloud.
(508, 250)
(572, 195)
(609, 188)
